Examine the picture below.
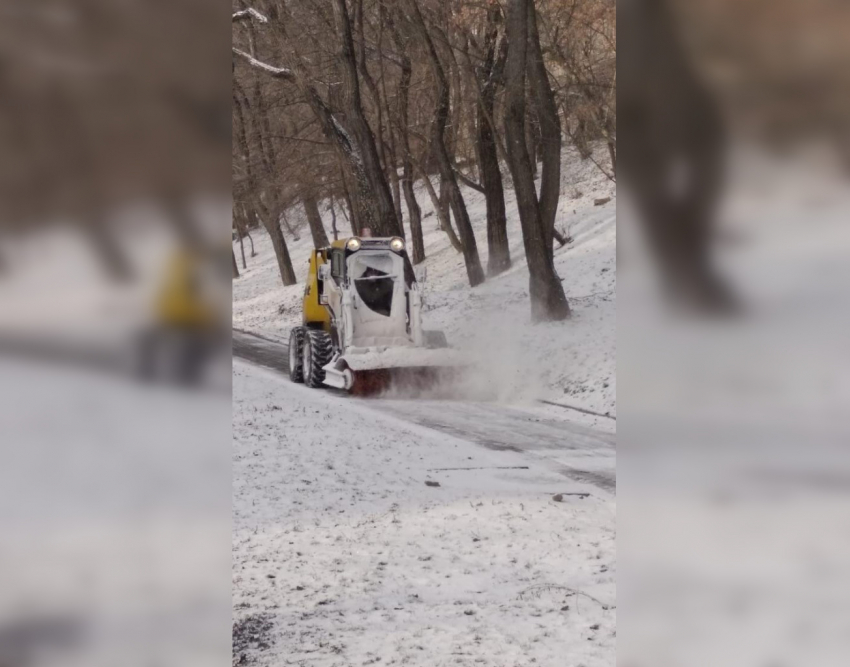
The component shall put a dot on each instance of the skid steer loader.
(362, 322)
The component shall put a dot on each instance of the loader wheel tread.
(296, 345)
(318, 351)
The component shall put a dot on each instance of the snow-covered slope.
(572, 361)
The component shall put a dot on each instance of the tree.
(548, 301)
(414, 212)
(672, 121)
(314, 219)
(271, 219)
(546, 112)
(351, 134)
(489, 79)
(474, 271)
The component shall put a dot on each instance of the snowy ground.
(572, 361)
(114, 506)
(344, 555)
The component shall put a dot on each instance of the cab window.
(338, 265)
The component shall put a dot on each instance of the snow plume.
(503, 364)
(509, 359)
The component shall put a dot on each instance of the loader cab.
(378, 281)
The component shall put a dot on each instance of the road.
(577, 452)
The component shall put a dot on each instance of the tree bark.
(349, 203)
(333, 220)
(354, 139)
(444, 222)
(239, 224)
(445, 215)
(284, 261)
(314, 218)
(499, 254)
(292, 232)
(550, 129)
(548, 301)
(379, 212)
(235, 268)
(414, 212)
(474, 271)
(387, 159)
(530, 144)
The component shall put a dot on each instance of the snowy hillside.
(572, 361)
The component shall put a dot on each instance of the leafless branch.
(248, 14)
(276, 72)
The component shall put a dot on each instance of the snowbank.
(343, 555)
(573, 361)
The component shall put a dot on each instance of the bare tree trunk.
(442, 213)
(271, 222)
(239, 224)
(548, 301)
(371, 181)
(530, 144)
(445, 216)
(474, 271)
(284, 262)
(670, 119)
(292, 232)
(235, 268)
(395, 184)
(333, 219)
(499, 253)
(414, 212)
(388, 160)
(352, 211)
(550, 129)
(317, 228)
(354, 139)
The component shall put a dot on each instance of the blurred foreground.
(114, 198)
(733, 466)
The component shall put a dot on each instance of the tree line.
(346, 104)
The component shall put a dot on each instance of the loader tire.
(317, 353)
(296, 354)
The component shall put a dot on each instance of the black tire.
(435, 340)
(296, 346)
(318, 351)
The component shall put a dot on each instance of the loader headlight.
(396, 244)
(353, 244)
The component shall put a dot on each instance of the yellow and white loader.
(362, 322)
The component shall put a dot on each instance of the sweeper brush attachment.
(404, 370)
(402, 382)
(362, 329)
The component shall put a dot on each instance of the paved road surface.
(578, 452)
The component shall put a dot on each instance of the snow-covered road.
(575, 451)
(420, 533)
